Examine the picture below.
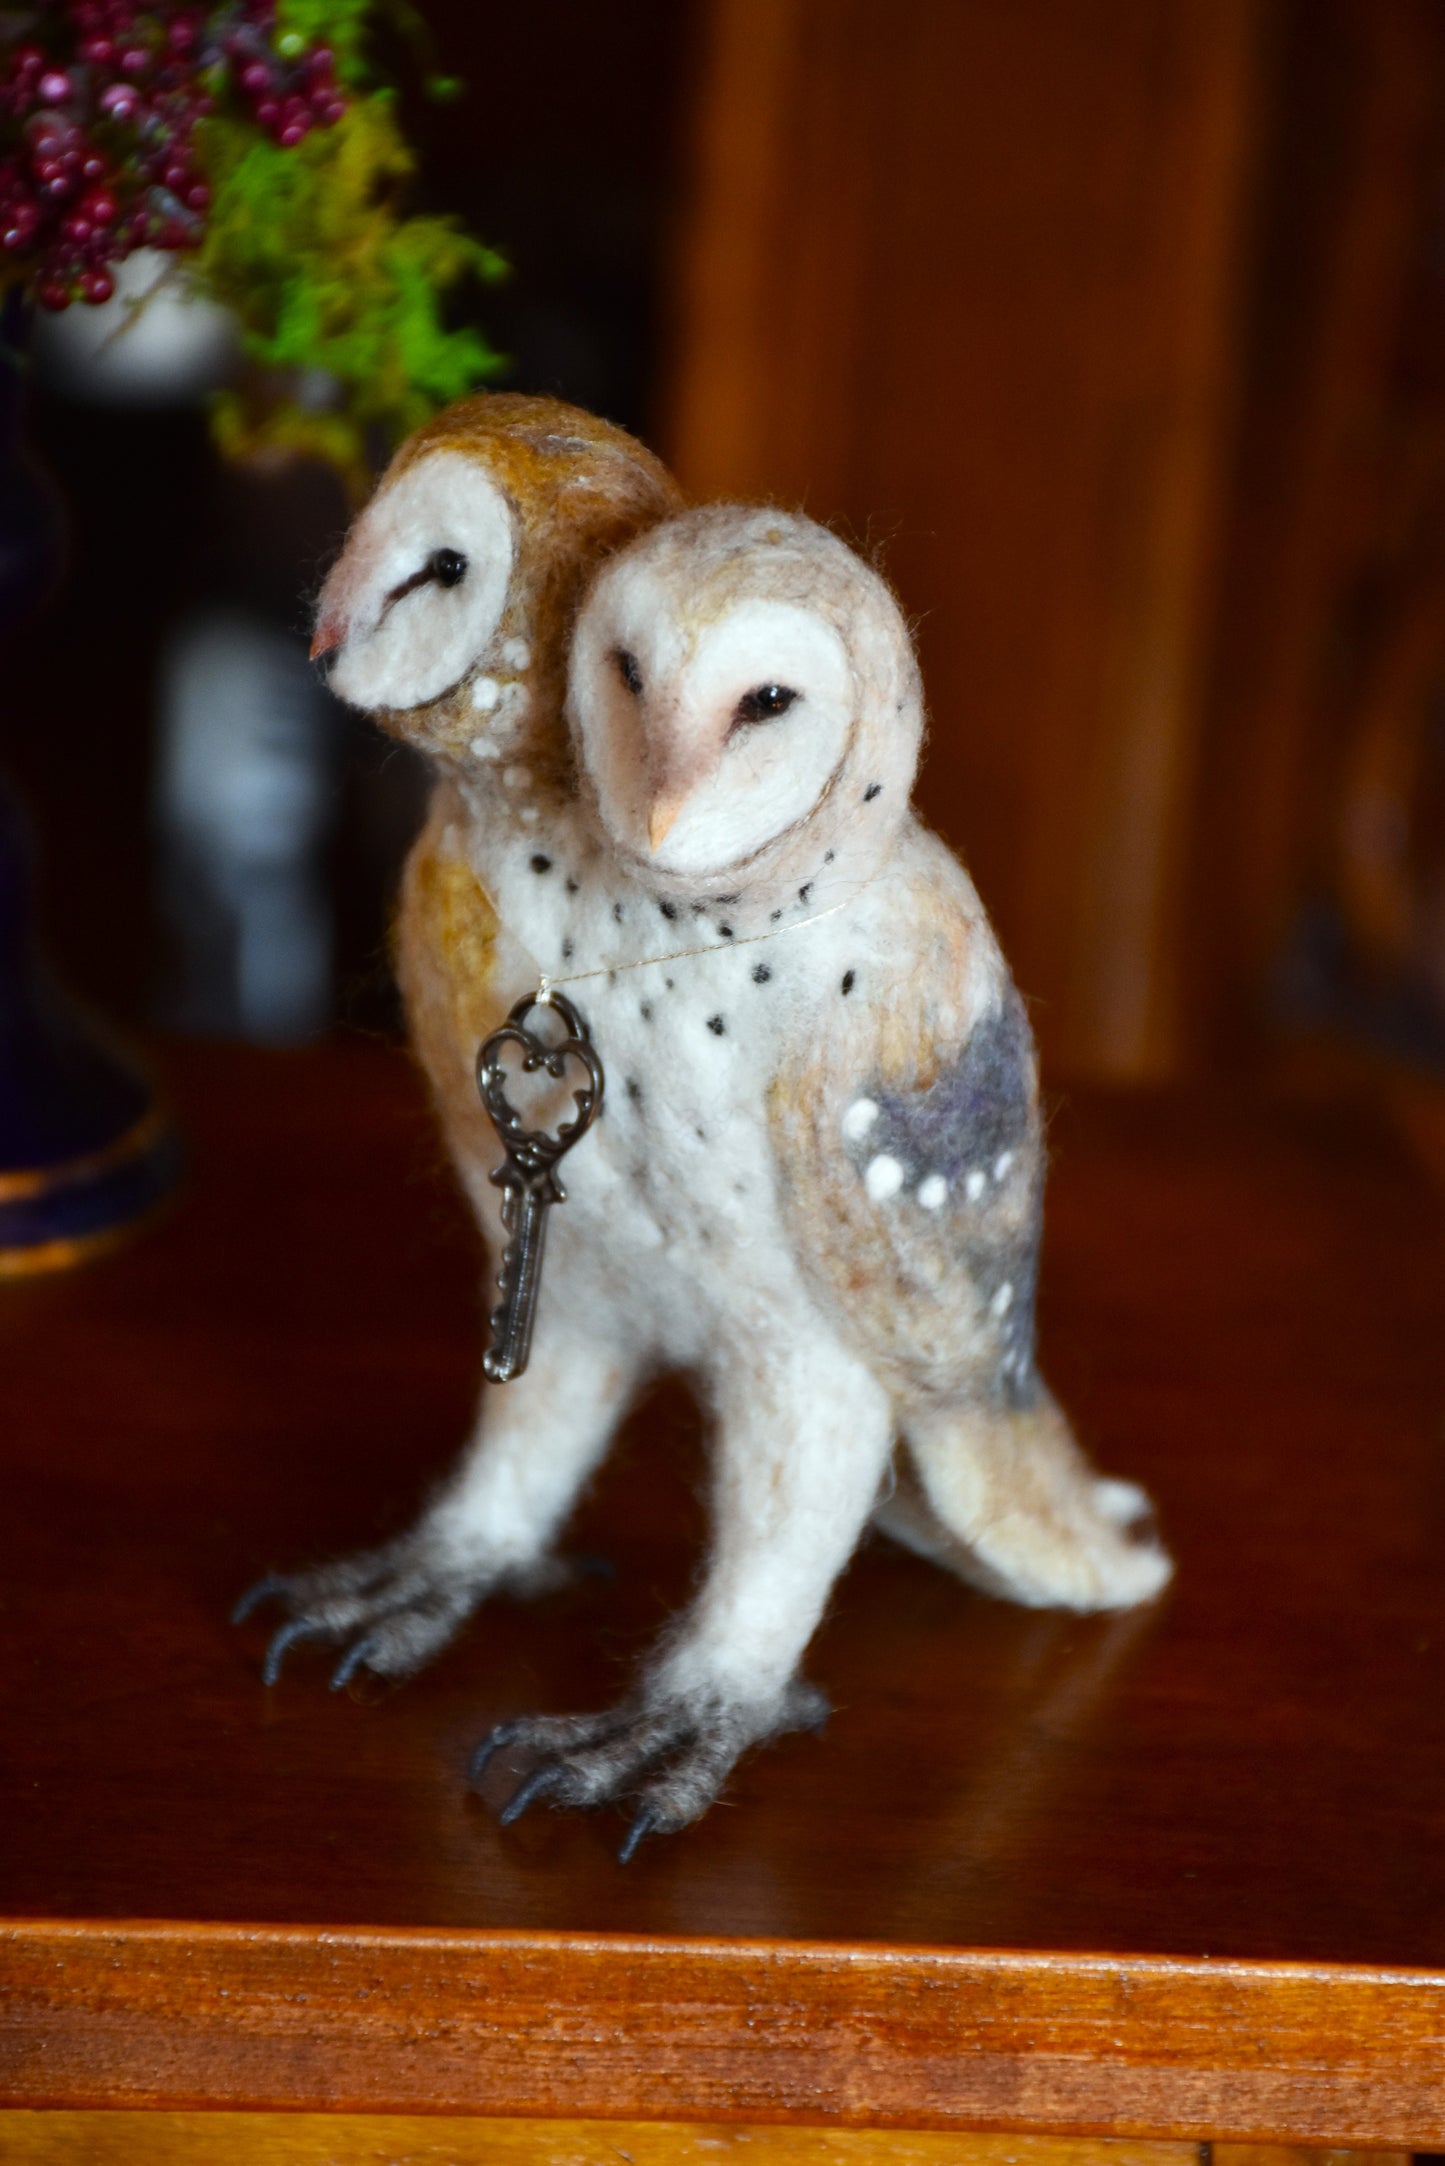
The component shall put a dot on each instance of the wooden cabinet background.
(1081, 314)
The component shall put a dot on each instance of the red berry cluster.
(98, 110)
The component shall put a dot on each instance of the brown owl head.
(448, 612)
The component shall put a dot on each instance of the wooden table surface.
(1180, 1873)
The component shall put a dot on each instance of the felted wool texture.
(542, 492)
(571, 487)
(722, 594)
(410, 637)
(815, 1183)
(555, 489)
(733, 1190)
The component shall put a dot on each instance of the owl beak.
(675, 773)
(326, 646)
(325, 639)
(662, 817)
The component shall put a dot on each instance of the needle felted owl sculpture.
(816, 1187)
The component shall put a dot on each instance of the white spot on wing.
(1000, 1304)
(859, 1118)
(974, 1185)
(933, 1193)
(516, 778)
(1001, 1165)
(485, 694)
(884, 1177)
(484, 748)
(516, 653)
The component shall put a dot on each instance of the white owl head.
(744, 694)
(416, 597)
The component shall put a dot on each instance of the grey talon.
(502, 1734)
(354, 1659)
(298, 1629)
(537, 1784)
(262, 1590)
(645, 1823)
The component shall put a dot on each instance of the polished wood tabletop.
(1179, 1872)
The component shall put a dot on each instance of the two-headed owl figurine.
(674, 754)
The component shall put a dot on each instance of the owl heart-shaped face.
(565, 1066)
(419, 590)
(706, 739)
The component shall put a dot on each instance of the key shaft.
(524, 1214)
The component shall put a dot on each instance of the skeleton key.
(527, 1176)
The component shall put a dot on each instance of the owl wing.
(908, 1146)
(449, 966)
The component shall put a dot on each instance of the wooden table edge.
(175, 2014)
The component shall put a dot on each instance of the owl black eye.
(448, 567)
(628, 671)
(764, 703)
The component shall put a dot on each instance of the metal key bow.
(528, 1175)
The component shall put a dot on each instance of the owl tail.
(1007, 1500)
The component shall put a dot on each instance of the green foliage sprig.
(258, 141)
(336, 294)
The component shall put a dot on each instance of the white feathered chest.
(692, 1016)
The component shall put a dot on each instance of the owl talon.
(491, 1744)
(262, 1590)
(536, 1785)
(389, 1610)
(285, 1638)
(643, 1825)
(357, 1657)
(669, 1756)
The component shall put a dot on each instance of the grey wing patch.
(968, 1126)
(964, 1159)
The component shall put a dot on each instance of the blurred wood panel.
(962, 279)
(1330, 645)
